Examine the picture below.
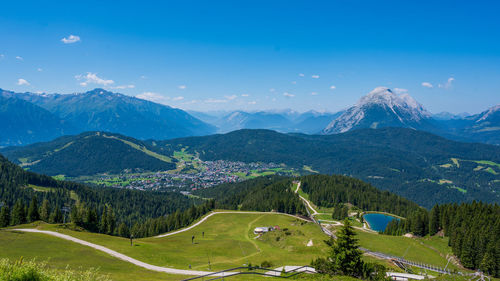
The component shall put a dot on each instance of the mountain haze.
(101, 110)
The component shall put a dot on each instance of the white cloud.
(182, 87)
(427, 85)
(245, 95)
(92, 78)
(314, 94)
(154, 97)
(71, 39)
(252, 102)
(178, 98)
(121, 87)
(315, 76)
(301, 74)
(22, 82)
(39, 69)
(210, 100)
(143, 77)
(400, 91)
(288, 95)
(272, 90)
(19, 58)
(448, 83)
(332, 87)
(294, 82)
(2, 56)
(232, 97)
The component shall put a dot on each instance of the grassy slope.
(229, 242)
(426, 250)
(60, 253)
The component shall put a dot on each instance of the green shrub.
(38, 271)
(266, 264)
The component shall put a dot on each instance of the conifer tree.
(434, 220)
(18, 214)
(45, 211)
(5, 216)
(345, 255)
(33, 214)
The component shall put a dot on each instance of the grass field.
(59, 254)
(228, 242)
(429, 250)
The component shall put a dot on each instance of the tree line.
(337, 190)
(473, 230)
(266, 193)
(20, 189)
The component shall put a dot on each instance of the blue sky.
(213, 55)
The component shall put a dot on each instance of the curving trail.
(143, 264)
(228, 212)
(122, 256)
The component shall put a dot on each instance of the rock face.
(382, 108)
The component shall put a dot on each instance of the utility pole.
(65, 210)
(131, 238)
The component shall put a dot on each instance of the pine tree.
(123, 230)
(111, 220)
(56, 216)
(5, 216)
(103, 225)
(18, 214)
(75, 216)
(45, 211)
(434, 220)
(33, 214)
(345, 255)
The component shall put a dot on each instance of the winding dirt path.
(143, 264)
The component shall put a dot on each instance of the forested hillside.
(473, 229)
(423, 167)
(20, 189)
(267, 193)
(88, 154)
(330, 191)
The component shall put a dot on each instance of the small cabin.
(262, 230)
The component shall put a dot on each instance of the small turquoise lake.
(378, 222)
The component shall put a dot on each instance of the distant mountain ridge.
(285, 121)
(101, 110)
(23, 122)
(418, 165)
(382, 107)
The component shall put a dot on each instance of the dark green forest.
(414, 164)
(87, 154)
(335, 190)
(267, 193)
(404, 161)
(21, 189)
(473, 230)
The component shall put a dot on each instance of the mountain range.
(380, 108)
(45, 116)
(30, 118)
(417, 165)
(310, 122)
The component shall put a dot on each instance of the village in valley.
(191, 174)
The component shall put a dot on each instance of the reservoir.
(378, 222)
